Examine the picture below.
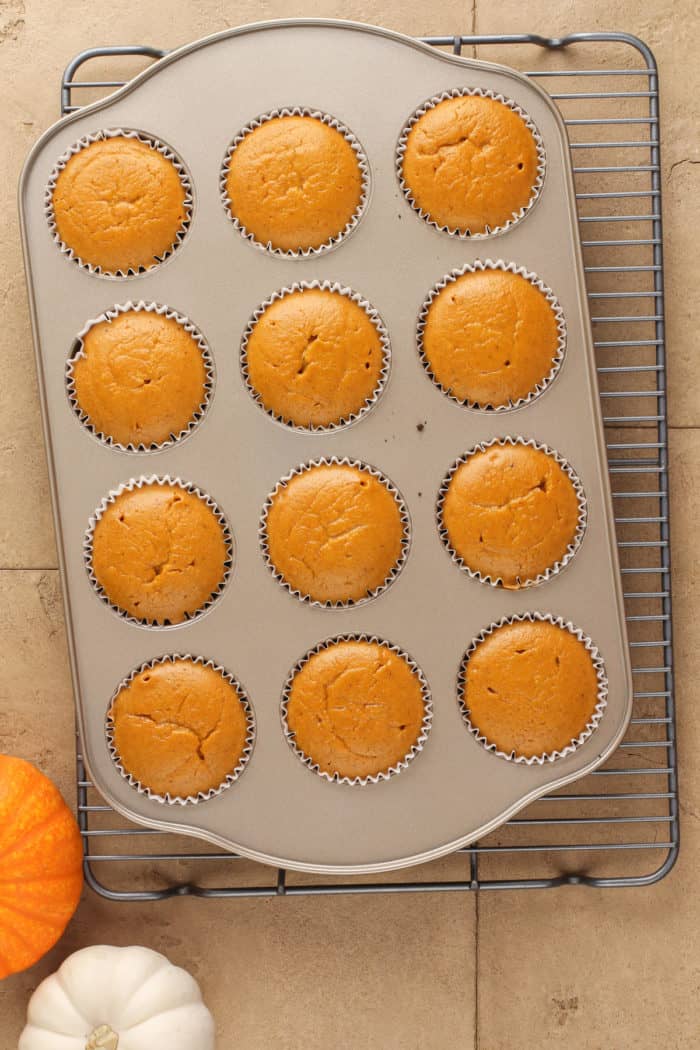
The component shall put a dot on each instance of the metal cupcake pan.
(454, 791)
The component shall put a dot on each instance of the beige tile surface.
(593, 970)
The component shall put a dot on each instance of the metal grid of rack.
(620, 826)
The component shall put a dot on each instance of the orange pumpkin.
(41, 865)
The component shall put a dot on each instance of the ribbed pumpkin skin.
(41, 872)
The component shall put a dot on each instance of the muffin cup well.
(334, 461)
(375, 318)
(599, 710)
(186, 486)
(480, 266)
(333, 122)
(98, 136)
(164, 311)
(417, 747)
(459, 93)
(231, 777)
(572, 548)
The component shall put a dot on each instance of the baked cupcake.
(356, 708)
(159, 551)
(511, 513)
(469, 163)
(491, 337)
(140, 377)
(294, 183)
(335, 532)
(180, 728)
(119, 204)
(314, 357)
(531, 688)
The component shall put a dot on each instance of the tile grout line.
(477, 1033)
(473, 26)
(29, 568)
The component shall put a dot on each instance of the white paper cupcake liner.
(591, 725)
(201, 796)
(571, 549)
(98, 136)
(483, 93)
(480, 266)
(78, 352)
(332, 242)
(375, 318)
(168, 481)
(334, 461)
(417, 747)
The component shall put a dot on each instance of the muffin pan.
(454, 791)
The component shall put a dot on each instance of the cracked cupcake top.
(179, 728)
(293, 182)
(314, 357)
(139, 378)
(530, 688)
(470, 164)
(510, 512)
(334, 532)
(490, 338)
(159, 553)
(119, 204)
(355, 708)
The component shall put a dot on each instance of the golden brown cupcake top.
(314, 357)
(179, 728)
(119, 204)
(490, 338)
(334, 533)
(530, 688)
(511, 512)
(294, 182)
(159, 553)
(355, 708)
(139, 377)
(470, 163)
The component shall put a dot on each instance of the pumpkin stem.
(102, 1038)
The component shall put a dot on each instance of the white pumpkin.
(105, 998)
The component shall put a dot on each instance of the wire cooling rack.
(620, 827)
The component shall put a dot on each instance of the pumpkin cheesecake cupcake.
(315, 356)
(470, 162)
(140, 377)
(335, 532)
(511, 512)
(532, 688)
(159, 551)
(356, 709)
(295, 181)
(180, 728)
(119, 203)
(491, 336)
